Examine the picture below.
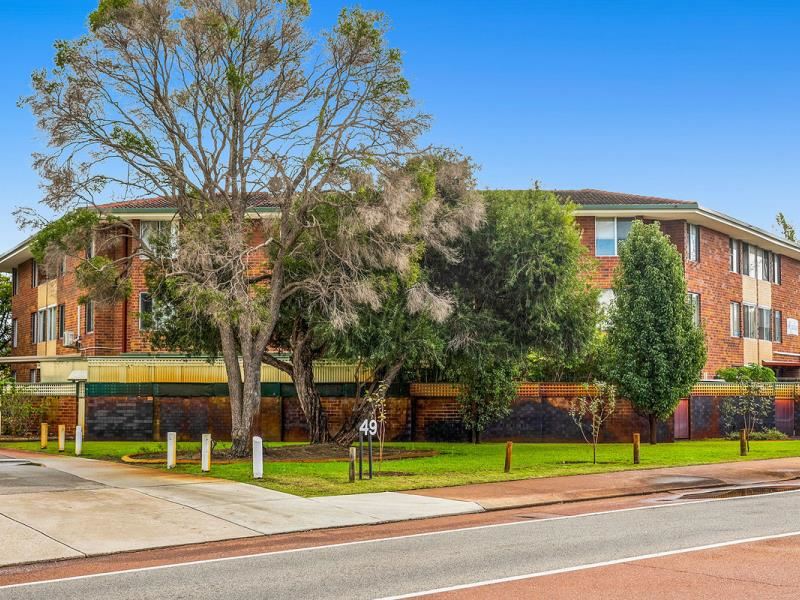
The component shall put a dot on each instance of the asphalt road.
(390, 567)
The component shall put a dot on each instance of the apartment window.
(89, 316)
(62, 318)
(609, 233)
(765, 324)
(749, 321)
(145, 310)
(14, 333)
(777, 327)
(162, 232)
(735, 264)
(36, 376)
(776, 268)
(52, 323)
(34, 274)
(752, 260)
(14, 281)
(34, 324)
(736, 319)
(693, 242)
(62, 266)
(694, 302)
(41, 325)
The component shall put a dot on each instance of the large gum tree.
(224, 107)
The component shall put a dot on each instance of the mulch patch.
(300, 453)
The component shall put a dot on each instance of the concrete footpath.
(575, 488)
(54, 507)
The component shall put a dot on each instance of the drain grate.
(740, 492)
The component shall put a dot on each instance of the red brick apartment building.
(743, 283)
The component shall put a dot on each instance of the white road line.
(607, 563)
(385, 539)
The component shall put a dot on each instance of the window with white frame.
(14, 333)
(693, 242)
(41, 325)
(749, 322)
(694, 302)
(736, 319)
(764, 324)
(777, 329)
(159, 232)
(735, 266)
(610, 232)
(52, 323)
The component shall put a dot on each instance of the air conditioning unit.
(69, 339)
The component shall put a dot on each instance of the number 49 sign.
(368, 428)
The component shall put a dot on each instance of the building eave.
(699, 215)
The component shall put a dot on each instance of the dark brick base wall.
(532, 419)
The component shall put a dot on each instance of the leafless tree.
(229, 109)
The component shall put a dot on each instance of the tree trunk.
(307, 394)
(364, 408)
(653, 430)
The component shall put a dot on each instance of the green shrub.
(758, 436)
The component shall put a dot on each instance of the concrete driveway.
(61, 507)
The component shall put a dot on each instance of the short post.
(78, 440)
(43, 436)
(172, 439)
(352, 465)
(743, 442)
(509, 448)
(636, 443)
(205, 453)
(62, 437)
(258, 458)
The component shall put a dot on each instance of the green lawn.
(455, 464)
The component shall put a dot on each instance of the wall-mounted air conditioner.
(69, 339)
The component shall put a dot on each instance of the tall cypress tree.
(656, 350)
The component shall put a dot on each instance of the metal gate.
(682, 420)
(784, 415)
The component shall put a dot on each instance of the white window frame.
(14, 333)
(693, 242)
(746, 324)
(158, 228)
(616, 234)
(52, 323)
(736, 319)
(777, 326)
(735, 256)
(762, 310)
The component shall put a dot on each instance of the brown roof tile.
(259, 200)
(589, 197)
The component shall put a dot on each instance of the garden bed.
(296, 453)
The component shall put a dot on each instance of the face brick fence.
(418, 412)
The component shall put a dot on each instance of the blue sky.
(688, 100)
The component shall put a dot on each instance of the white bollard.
(62, 437)
(172, 439)
(78, 440)
(205, 453)
(258, 458)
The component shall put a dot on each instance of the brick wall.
(786, 298)
(712, 278)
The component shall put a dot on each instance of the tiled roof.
(589, 197)
(259, 200)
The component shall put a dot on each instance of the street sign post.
(368, 428)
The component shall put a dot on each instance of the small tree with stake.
(755, 400)
(591, 411)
